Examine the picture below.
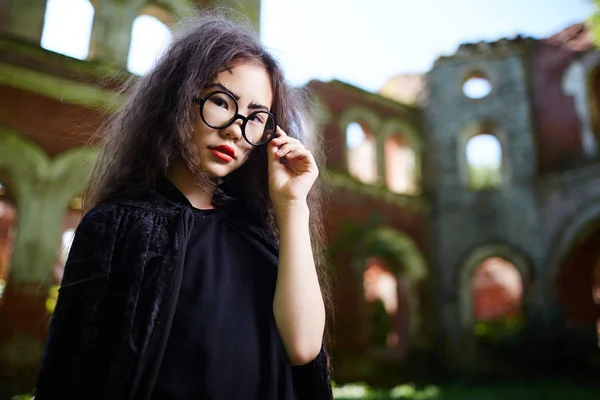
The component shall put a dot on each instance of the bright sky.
(366, 42)
(361, 42)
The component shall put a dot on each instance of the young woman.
(193, 275)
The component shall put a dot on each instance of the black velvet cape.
(118, 298)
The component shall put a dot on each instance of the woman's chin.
(217, 171)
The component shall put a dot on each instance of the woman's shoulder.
(143, 204)
(108, 211)
(125, 212)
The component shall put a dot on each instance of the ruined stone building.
(438, 260)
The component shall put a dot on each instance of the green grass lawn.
(514, 391)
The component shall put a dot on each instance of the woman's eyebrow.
(256, 106)
(220, 86)
(252, 106)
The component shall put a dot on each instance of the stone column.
(250, 8)
(111, 33)
(24, 19)
(43, 188)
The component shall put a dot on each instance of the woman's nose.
(233, 131)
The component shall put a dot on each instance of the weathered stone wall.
(464, 220)
(366, 219)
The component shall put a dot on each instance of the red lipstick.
(223, 152)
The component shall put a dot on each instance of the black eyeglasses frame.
(202, 100)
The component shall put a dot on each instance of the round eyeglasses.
(219, 109)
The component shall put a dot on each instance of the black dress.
(224, 343)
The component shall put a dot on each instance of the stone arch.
(471, 130)
(43, 187)
(111, 38)
(478, 70)
(358, 113)
(573, 227)
(467, 350)
(404, 258)
(179, 8)
(372, 122)
(465, 300)
(397, 127)
(402, 248)
(393, 126)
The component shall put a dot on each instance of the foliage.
(497, 331)
(549, 390)
(369, 239)
(382, 324)
(594, 22)
(362, 391)
(344, 181)
(484, 178)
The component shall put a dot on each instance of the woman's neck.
(200, 197)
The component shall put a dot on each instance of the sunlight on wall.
(68, 27)
(362, 162)
(149, 39)
(380, 284)
(497, 290)
(400, 166)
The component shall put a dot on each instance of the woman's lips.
(221, 155)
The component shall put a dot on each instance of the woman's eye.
(257, 118)
(219, 102)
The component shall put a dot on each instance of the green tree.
(594, 22)
(482, 178)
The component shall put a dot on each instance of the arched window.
(497, 290)
(68, 27)
(362, 155)
(386, 296)
(578, 284)
(476, 86)
(149, 39)
(8, 226)
(484, 160)
(400, 166)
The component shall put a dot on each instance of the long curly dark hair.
(154, 127)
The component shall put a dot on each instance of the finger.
(272, 152)
(280, 131)
(300, 161)
(286, 148)
(297, 154)
(283, 140)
